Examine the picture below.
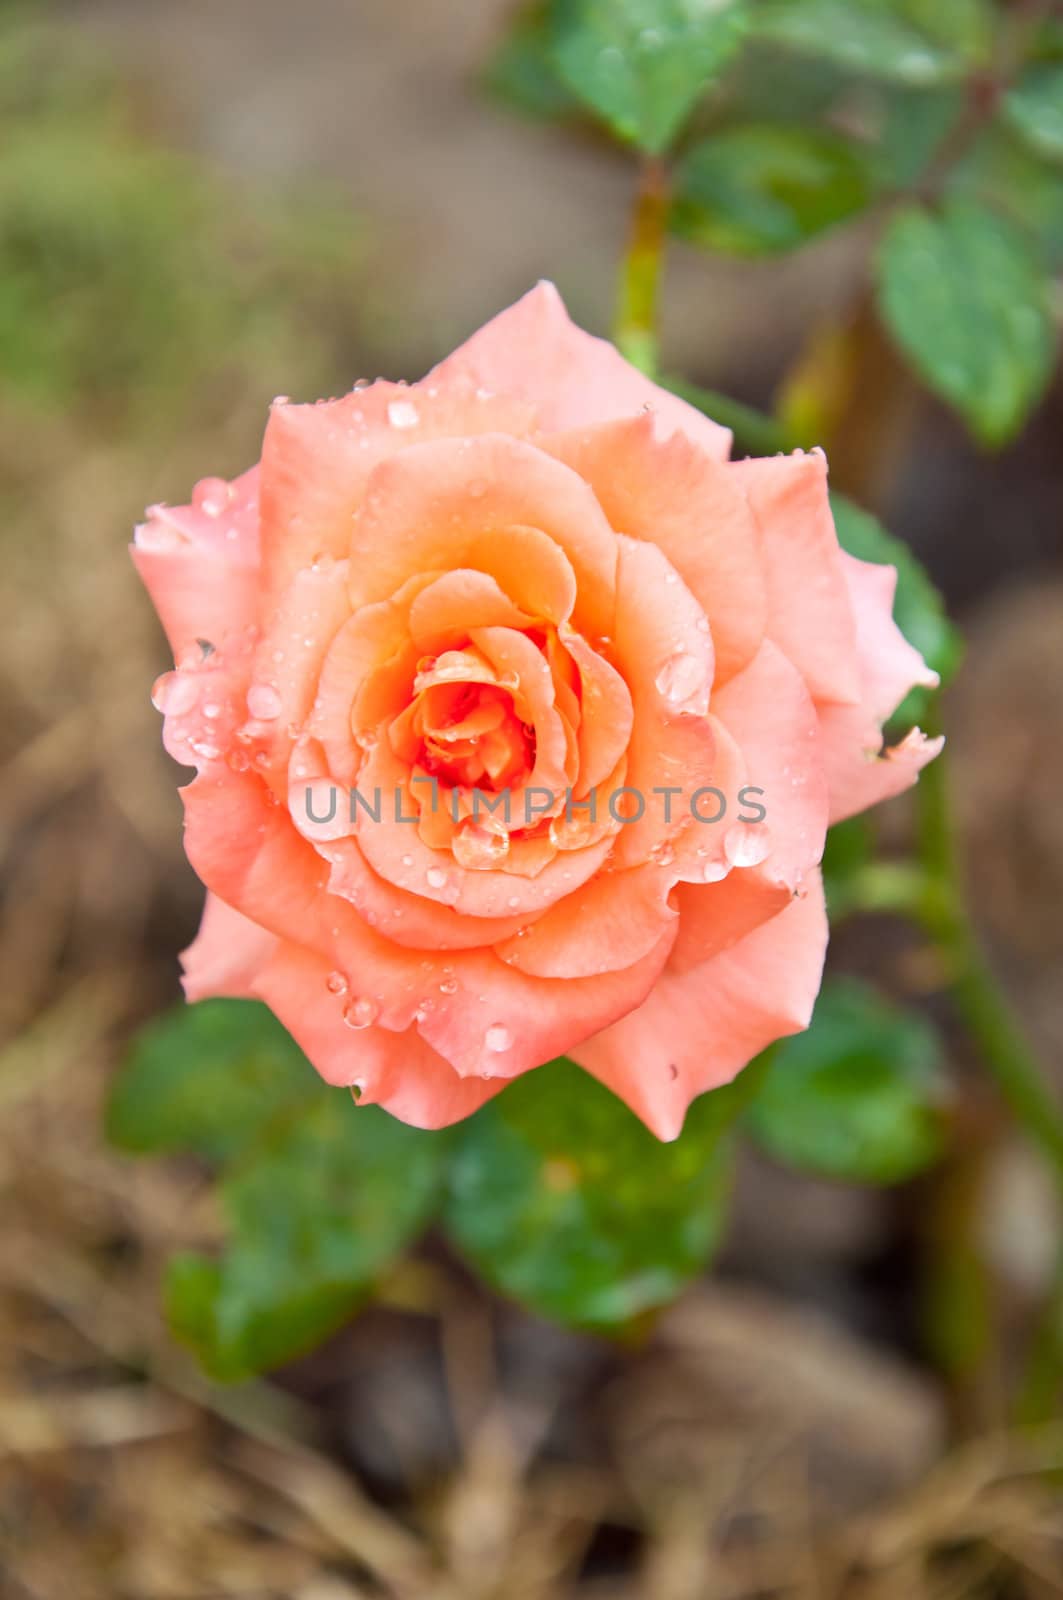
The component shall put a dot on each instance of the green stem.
(981, 1003)
(640, 273)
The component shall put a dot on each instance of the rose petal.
(573, 379)
(697, 1031)
(671, 494)
(809, 611)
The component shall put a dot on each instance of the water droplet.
(402, 414)
(571, 832)
(212, 711)
(436, 878)
(498, 1038)
(263, 702)
(174, 693)
(212, 496)
(663, 853)
(205, 748)
(156, 535)
(449, 986)
(715, 871)
(407, 861)
(746, 844)
(480, 843)
(683, 682)
(361, 1012)
(336, 983)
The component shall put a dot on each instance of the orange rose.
(519, 714)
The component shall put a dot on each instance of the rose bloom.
(533, 573)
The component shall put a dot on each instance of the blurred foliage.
(763, 188)
(554, 1190)
(963, 296)
(564, 1200)
(940, 119)
(860, 1096)
(641, 64)
(131, 279)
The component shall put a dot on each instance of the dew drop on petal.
(361, 1012)
(205, 748)
(571, 832)
(212, 496)
(336, 983)
(498, 1038)
(683, 683)
(715, 871)
(263, 702)
(436, 878)
(480, 843)
(746, 844)
(449, 986)
(402, 414)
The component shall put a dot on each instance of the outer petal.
(225, 954)
(809, 612)
(859, 771)
(670, 493)
(398, 1071)
(573, 379)
(199, 562)
(316, 459)
(697, 1031)
(767, 711)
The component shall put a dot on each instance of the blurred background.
(205, 204)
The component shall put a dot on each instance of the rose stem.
(640, 271)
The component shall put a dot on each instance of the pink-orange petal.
(673, 495)
(200, 562)
(453, 503)
(398, 1071)
(225, 954)
(447, 609)
(606, 714)
(608, 924)
(316, 459)
(810, 616)
(697, 1031)
(574, 379)
(664, 650)
(859, 771)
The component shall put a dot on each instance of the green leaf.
(315, 1213)
(918, 608)
(859, 1097)
(765, 188)
(964, 299)
(964, 28)
(642, 64)
(523, 71)
(563, 1200)
(873, 37)
(207, 1078)
(1002, 173)
(907, 127)
(1035, 109)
